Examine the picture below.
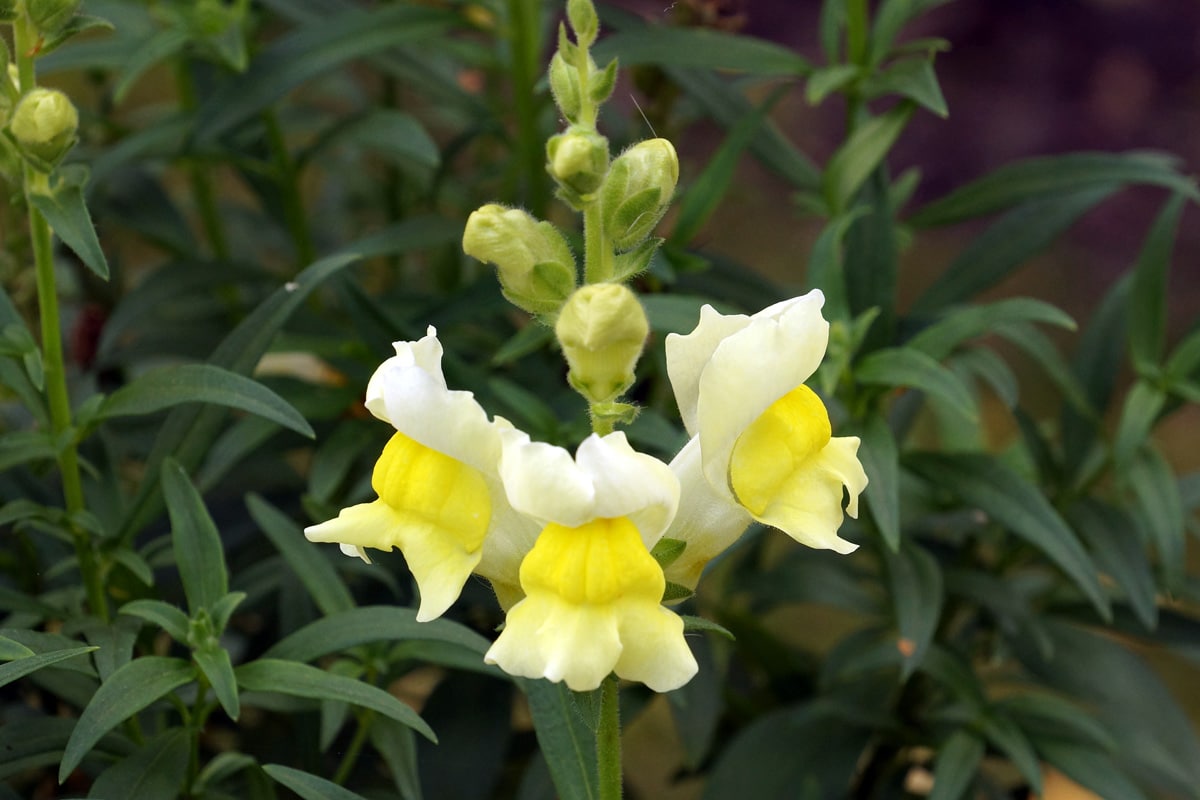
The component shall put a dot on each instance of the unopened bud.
(533, 261)
(578, 160)
(584, 21)
(44, 125)
(51, 16)
(602, 330)
(638, 191)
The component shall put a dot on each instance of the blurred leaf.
(39, 741)
(1019, 182)
(955, 765)
(308, 786)
(67, 213)
(871, 263)
(11, 650)
(912, 78)
(860, 154)
(1185, 358)
(21, 447)
(199, 555)
(880, 459)
(890, 17)
(958, 325)
(309, 51)
(398, 136)
(306, 559)
(15, 670)
(529, 339)
(1055, 717)
(1138, 415)
(1008, 737)
(1048, 358)
(302, 680)
(1148, 293)
(698, 47)
(915, 583)
(155, 772)
(992, 369)
(905, 366)
(127, 691)
(1112, 538)
(826, 269)
(825, 80)
(166, 387)
(1160, 508)
(676, 313)
(397, 747)
(986, 483)
(75, 26)
(1090, 768)
(697, 705)
(149, 52)
(1008, 244)
(568, 746)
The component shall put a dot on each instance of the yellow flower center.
(431, 488)
(776, 446)
(596, 564)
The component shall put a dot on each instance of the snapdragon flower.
(592, 590)
(440, 495)
(762, 446)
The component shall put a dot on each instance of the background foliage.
(279, 190)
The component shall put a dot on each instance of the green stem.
(198, 176)
(608, 740)
(856, 31)
(354, 748)
(289, 180)
(598, 260)
(197, 716)
(524, 40)
(54, 365)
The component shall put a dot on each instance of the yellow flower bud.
(578, 160)
(602, 330)
(44, 125)
(51, 16)
(533, 261)
(638, 191)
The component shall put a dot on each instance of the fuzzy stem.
(608, 740)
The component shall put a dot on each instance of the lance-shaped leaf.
(860, 154)
(955, 765)
(25, 665)
(199, 555)
(566, 742)
(1148, 294)
(699, 47)
(939, 339)
(915, 582)
(307, 785)
(310, 565)
(155, 772)
(64, 208)
(905, 366)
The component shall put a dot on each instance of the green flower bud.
(564, 85)
(638, 191)
(584, 21)
(602, 330)
(44, 125)
(578, 160)
(51, 16)
(533, 261)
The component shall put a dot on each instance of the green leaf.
(398, 748)
(992, 369)
(395, 135)
(127, 691)
(1138, 414)
(565, 741)
(1185, 358)
(939, 339)
(1022, 181)
(1112, 538)
(306, 559)
(915, 583)
(1090, 768)
(1008, 737)
(1008, 244)
(955, 765)
(156, 771)
(825, 80)
(1046, 355)
(880, 460)
(890, 17)
(213, 661)
(699, 47)
(199, 555)
(302, 680)
(912, 78)
(21, 447)
(15, 670)
(146, 54)
(12, 650)
(1055, 717)
(309, 51)
(826, 270)
(1148, 294)
(164, 615)
(64, 208)
(905, 366)
(166, 387)
(986, 483)
(308, 786)
(1160, 508)
(860, 154)
(692, 623)
(871, 264)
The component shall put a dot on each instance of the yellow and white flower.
(762, 445)
(593, 592)
(440, 495)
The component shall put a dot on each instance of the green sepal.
(635, 261)
(691, 623)
(566, 48)
(667, 551)
(676, 592)
(602, 83)
(631, 221)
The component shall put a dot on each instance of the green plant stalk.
(289, 180)
(196, 718)
(608, 740)
(54, 366)
(524, 42)
(198, 177)
(355, 747)
(856, 32)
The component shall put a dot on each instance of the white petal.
(655, 652)
(543, 481)
(629, 484)
(688, 355)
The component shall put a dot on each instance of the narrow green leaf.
(693, 623)
(166, 387)
(151, 51)
(955, 765)
(993, 370)
(302, 680)
(1048, 358)
(826, 269)
(397, 746)
(986, 483)
(890, 17)
(156, 771)
(1008, 737)
(1056, 717)
(306, 560)
(1185, 358)
(860, 154)
(1093, 769)
(15, 670)
(1138, 414)
(64, 208)
(1022, 181)
(213, 661)
(565, 741)
(12, 650)
(1008, 244)
(164, 615)
(307, 785)
(1148, 294)
(309, 51)
(199, 555)
(699, 47)
(961, 324)
(825, 80)
(1112, 538)
(871, 263)
(1160, 508)
(880, 460)
(905, 366)
(912, 78)
(127, 691)
(395, 135)
(915, 583)
(21, 447)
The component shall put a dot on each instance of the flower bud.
(564, 85)
(584, 21)
(578, 160)
(44, 125)
(638, 191)
(51, 16)
(602, 330)
(533, 262)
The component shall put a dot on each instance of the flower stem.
(199, 177)
(608, 740)
(354, 748)
(289, 180)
